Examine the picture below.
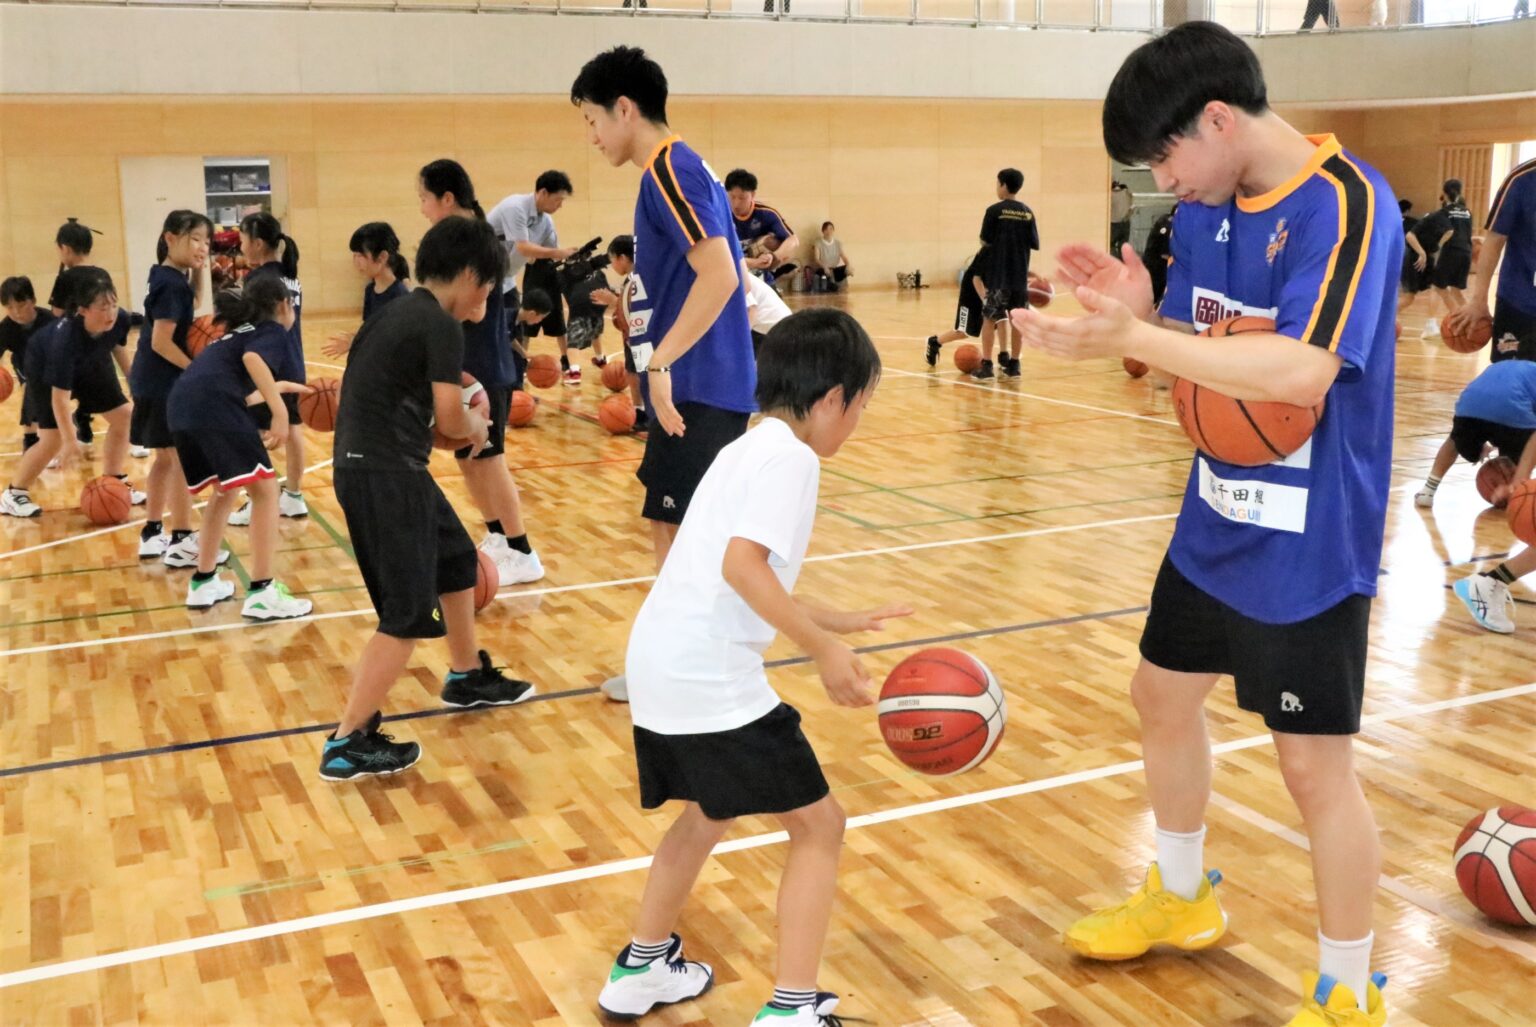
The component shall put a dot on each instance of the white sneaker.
(138, 452)
(185, 553)
(1424, 498)
(154, 546)
(818, 1015)
(616, 688)
(241, 518)
(1431, 328)
(275, 602)
(632, 992)
(1489, 602)
(201, 595)
(135, 497)
(291, 504)
(517, 568)
(16, 503)
(54, 465)
(495, 546)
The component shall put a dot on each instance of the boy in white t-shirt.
(709, 729)
(764, 307)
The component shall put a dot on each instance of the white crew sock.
(1181, 861)
(1348, 962)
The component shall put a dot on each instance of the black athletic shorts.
(98, 390)
(1413, 280)
(37, 404)
(409, 545)
(227, 459)
(968, 310)
(150, 428)
(767, 766)
(1450, 269)
(674, 465)
(500, 399)
(1000, 301)
(1514, 333)
(541, 275)
(1306, 678)
(1469, 434)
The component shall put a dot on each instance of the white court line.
(1030, 395)
(111, 528)
(1483, 931)
(447, 898)
(584, 587)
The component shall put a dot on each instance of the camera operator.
(583, 284)
(523, 221)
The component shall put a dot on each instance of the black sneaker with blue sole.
(486, 685)
(366, 752)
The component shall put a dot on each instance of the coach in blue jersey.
(1271, 570)
(1511, 236)
(688, 311)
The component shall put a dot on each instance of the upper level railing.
(1248, 17)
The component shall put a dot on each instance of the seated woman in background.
(831, 261)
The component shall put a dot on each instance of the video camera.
(580, 266)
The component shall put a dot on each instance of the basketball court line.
(581, 587)
(1031, 395)
(445, 711)
(373, 911)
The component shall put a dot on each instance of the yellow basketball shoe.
(1151, 917)
(1331, 1004)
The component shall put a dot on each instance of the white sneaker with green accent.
(291, 504)
(17, 503)
(275, 602)
(203, 594)
(633, 991)
(185, 553)
(817, 1015)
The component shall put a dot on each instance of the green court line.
(426, 859)
(135, 566)
(337, 537)
(158, 609)
(848, 516)
(893, 492)
(239, 569)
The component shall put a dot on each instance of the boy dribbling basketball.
(709, 729)
(1271, 570)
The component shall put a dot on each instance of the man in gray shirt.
(524, 224)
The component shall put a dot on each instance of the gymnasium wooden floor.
(169, 855)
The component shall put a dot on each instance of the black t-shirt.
(384, 422)
(373, 299)
(14, 337)
(169, 299)
(210, 395)
(1009, 233)
(1456, 218)
(1159, 239)
(77, 362)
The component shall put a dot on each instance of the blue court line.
(794, 661)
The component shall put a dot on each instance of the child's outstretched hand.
(337, 344)
(844, 677)
(870, 620)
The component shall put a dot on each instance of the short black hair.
(256, 301)
(1163, 86)
(89, 285)
(622, 246)
(1404, 205)
(623, 71)
(826, 225)
(1011, 179)
(743, 179)
(17, 289)
(458, 244)
(374, 238)
(74, 235)
(808, 354)
(538, 301)
(554, 182)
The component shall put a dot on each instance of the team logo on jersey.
(1210, 307)
(1277, 241)
(1224, 233)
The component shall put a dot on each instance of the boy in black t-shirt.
(23, 319)
(75, 244)
(1008, 236)
(968, 318)
(418, 562)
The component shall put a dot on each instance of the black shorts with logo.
(1514, 333)
(674, 465)
(410, 546)
(1306, 678)
(1000, 301)
(968, 309)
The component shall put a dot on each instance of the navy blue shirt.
(169, 299)
(14, 337)
(373, 300)
(293, 367)
(487, 351)
(73, 360)
(211, 394)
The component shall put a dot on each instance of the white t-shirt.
(695, 661)
(829, 252)
(517, 219)
(764, 307)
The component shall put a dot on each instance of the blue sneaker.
(366, 751)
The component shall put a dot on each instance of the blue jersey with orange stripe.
(1320, 255)
(1513, 215)
(681, 204)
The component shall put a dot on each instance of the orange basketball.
(543, 371)
(317, 408)
(1473, 340)
(1495, 858)
(967, 358)
(1498, 471)
(1134, 368)
(201, 332)
(524, 407)
(1522, 511)
(7, 385)
(474, 398)
(487, 580)
(1041, 291)
(105, 500)
(942, 712)
(614, 375)
(616, 413)
(1237, 431)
